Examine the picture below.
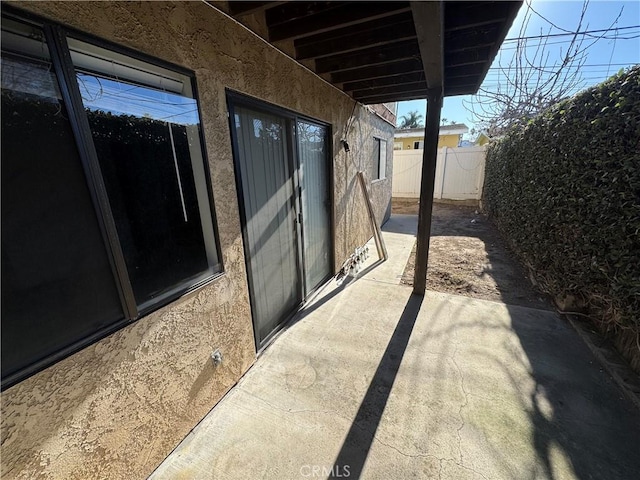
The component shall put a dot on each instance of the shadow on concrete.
(574, 410)
(591, 422)
(357, 444)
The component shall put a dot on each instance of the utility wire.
(570, 33)
(543, 43)
(579, 67)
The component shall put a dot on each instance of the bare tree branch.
(536, 76)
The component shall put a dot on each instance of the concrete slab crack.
(466, 397)
(434, 457)
(465, 404)
(291, 411)
(409, 455)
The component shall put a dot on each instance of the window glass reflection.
(148, 146)
(57, 283)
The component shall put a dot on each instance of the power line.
(574, 66)
(527, 72)
(561, 42)
(585, 32)
(584, 10)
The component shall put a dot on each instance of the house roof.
(455, 129)
(385, 51)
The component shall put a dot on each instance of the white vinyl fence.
(459, 173)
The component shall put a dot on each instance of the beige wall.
(118, 407)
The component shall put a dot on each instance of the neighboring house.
(174, 185)
(413, 138)
(483, 139)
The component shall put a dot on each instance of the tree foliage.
(565, 192)
(411, 120)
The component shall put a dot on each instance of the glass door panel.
(316, 203)
(263, 161)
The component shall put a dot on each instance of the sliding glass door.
(263, 162)
(282, 170)
(315, 202)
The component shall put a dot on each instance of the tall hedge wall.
(565, 192)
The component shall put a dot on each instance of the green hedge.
(565, 192)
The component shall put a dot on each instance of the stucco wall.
(118, 407)
(363, 129)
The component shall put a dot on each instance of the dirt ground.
(468, 257)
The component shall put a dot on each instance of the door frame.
(291, 117)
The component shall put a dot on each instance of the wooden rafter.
(357, 40)
(384, 81)
(380, 55)
(330, 18)
(373, 50)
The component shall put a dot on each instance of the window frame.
(381, 161)
(56, 37)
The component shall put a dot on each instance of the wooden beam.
(395, 97)
(511, 11)
(428, 19)
(367, 73)
(384, 81)
(248, 8)
(371, 56)
(462, 71)
(390, 90)
(476, 14)
(468, 57)
(357, 41)
(425, 208)
(341, 16)
(475, 38)
(354, 29)
(454, 91)
(293, 11)
(463, 81)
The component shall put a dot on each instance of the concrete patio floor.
(373, 382)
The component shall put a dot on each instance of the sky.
(120, 97)
(565, 14)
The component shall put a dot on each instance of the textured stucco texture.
(117, 408)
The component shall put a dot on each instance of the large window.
(106, 210)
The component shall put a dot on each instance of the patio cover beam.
(429, 22)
